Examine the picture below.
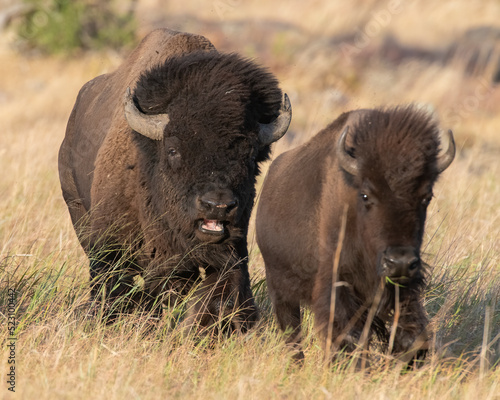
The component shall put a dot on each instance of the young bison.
(375, 169)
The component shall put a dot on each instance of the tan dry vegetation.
(62, 355)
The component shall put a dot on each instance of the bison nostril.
(208, 204)
(413, 266)
(218, 206)
(231, 205)
(401, 261)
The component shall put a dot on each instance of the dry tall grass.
(59, 354)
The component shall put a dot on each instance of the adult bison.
(158, 169)
(375, 169)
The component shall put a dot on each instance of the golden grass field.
(59, 355)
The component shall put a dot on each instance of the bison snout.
(217, 205)
(400, 263)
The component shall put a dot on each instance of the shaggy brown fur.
(299, 222)
(136, 203)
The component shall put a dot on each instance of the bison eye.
(426, 200)
(173, 158)
(366, 200)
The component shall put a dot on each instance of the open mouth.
(212, 226)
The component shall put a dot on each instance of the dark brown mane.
(211, 87)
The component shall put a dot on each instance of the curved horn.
(269, 133)
(151, 126)
(444, 159)
(346, 162)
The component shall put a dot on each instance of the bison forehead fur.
(375, 169)
(221, 93)
(400, 145)
(171, 196)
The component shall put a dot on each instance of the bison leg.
(286, 303)
(101, 280)
(341, 331)
(221, 305)
(287, 313)
(112, 283)
(290, 321)
(412, 338)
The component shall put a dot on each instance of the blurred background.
(330, 57)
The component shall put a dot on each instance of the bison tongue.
(212, 225)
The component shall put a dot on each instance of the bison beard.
(158, 170)
(376, 170)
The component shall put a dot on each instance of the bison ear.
(444, 160)
(269, 133)
(346, 162)
(151, 126)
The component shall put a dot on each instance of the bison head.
(392, 166)
(203, 123)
